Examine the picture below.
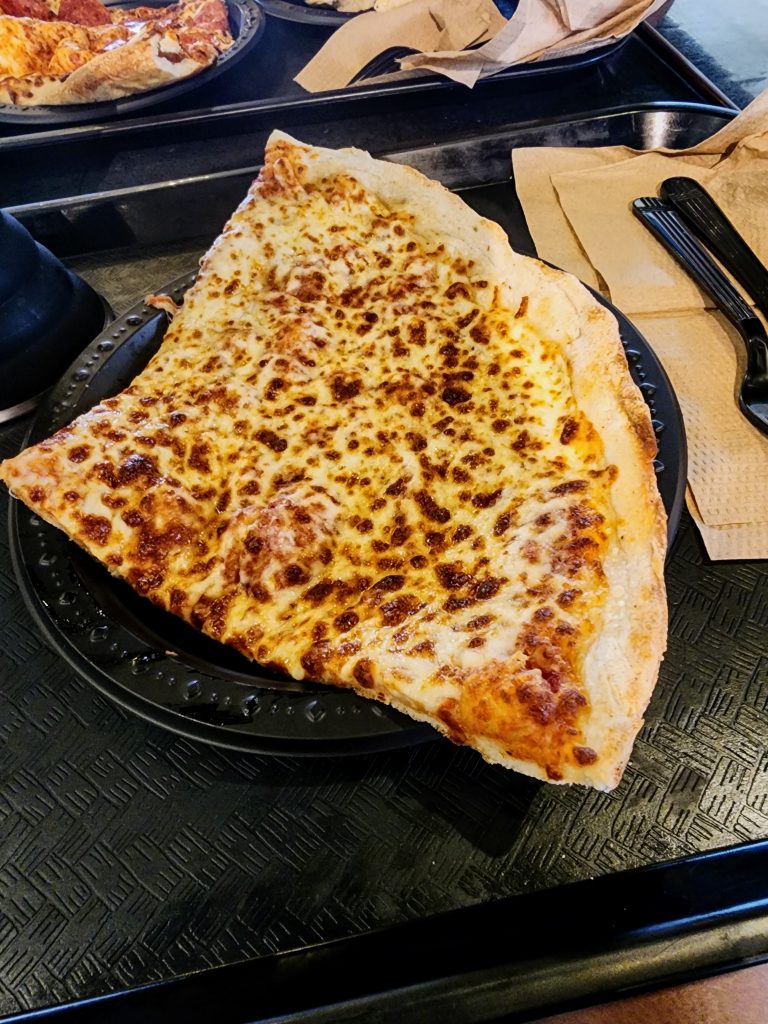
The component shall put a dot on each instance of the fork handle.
(667, 225)
(709, 222)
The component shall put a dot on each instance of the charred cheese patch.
(354, 459)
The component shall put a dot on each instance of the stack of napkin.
(442, 30)
(577, 204)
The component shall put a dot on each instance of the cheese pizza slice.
(381, 450)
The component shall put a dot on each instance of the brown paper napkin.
(577, 204)
(442, 30)
(419, 25)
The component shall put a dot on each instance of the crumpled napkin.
(578, 207)
(443, 30)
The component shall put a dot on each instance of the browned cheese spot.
(346, 621)
(79, 453)
(430, 508)
(570, 487)
(363, 673)
(447, 713)
(271, 440)
(345, 388)
(136, 467)
(585, 755)
(389, 583)
(569, 430)
(394, 612)
(96, 528)
(314, 659)
(452, 577)
(486, 500)
(455, 396)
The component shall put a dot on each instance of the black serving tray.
(265, 81)
(121, 644)
(232, 109)
(304, 14)
(183, 881)
(509, 960)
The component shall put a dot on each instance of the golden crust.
(533, 632)
(631, 643)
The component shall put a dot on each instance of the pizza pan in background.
(303, 13)
(246, 25)
(158, 666)
(324, 14)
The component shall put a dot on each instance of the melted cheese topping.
(29, 46)
(352, 461)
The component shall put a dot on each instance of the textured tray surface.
(129, 854)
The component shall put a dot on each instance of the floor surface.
(727, 40)
(740, 997)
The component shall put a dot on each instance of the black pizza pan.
(246, 25)
(157, 666)
(303, 13)
(146, 659)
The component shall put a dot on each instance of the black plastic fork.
(667, 225)
(705, 218)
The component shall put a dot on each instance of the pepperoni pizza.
(79, 51)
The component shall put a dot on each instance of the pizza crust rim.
(130, 70)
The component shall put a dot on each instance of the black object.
(246, 25)
(47, 315)
(158, 666)
(382, 63)
(702, 214)
(668, 226)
